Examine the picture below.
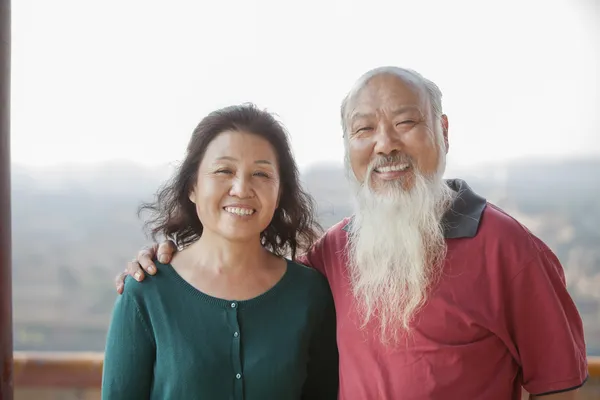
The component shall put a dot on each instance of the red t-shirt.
(500, 318)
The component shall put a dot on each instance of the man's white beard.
(396, 249)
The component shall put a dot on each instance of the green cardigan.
(168, 341)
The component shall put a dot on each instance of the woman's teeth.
(239, 211)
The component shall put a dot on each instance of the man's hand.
(163, 252)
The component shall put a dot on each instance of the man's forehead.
(386, 93)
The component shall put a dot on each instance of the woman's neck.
(224, 256)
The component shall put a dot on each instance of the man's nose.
(387, 140)
(241, 187)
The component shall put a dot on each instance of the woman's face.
(237, 189)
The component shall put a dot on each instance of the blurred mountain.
(75, 227)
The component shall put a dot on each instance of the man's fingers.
(147, 251)
(165, 251)
(144, 259)
(120, 282)
(134, 269)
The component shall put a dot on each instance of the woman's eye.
(262, 174)
(223, 171)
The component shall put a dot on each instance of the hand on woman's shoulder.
(148, 285)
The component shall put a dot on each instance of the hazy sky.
(96, 80)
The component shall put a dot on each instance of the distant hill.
(75, 227)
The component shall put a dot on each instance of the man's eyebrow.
(404, 109)
(228, 158)
(360, 115)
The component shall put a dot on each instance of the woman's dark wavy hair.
(293, 228)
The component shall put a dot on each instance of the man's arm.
(543, 329)
(163, 252)
(129, 354)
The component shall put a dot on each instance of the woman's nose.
(241, 187)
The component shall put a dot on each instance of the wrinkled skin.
(144, 264)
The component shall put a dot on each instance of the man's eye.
(364, 129)
(407, 122)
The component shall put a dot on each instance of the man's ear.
(445, 131)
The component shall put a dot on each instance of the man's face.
(391, 134)
(396, 158)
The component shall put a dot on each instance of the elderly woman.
(229, 317)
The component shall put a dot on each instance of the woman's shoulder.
(151, 284)
(304, 270)
(312, 288)
(308, 276)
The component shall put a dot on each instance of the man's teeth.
(393, 168)
(239, 210)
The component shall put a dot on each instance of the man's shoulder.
(499, 221)
(339, 231)
(335, 238)
(498, 226)
(325, 252)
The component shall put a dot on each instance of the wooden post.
(6, 338)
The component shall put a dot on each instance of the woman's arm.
(129, 354)
(322, 380)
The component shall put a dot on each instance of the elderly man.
(439, 294)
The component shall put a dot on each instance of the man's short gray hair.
(433, 92)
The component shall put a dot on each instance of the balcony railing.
(77, 376)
